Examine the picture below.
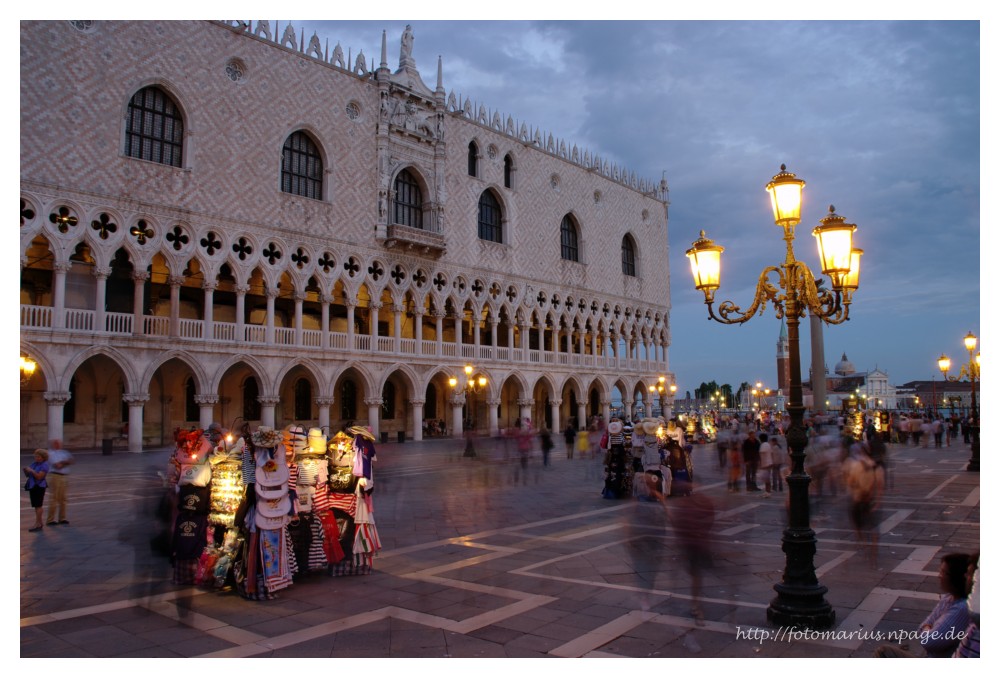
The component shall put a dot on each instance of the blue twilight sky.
(880, 118)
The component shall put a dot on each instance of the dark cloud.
(881, 118)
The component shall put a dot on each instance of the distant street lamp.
(28, 367)
(801, 599)
(971, 371)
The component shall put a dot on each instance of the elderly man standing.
(58, 480)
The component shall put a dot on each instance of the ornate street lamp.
(801, 599)
(970, 371)
(464, 387)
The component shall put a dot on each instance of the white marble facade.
(165, 291)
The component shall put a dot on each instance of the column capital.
(351, 302)
(438, 313)
(526, 402)
(299, 296)
(326, 298)
(324, 401)
(268, 400)
(556, 403)
(210, 285)
(206, 399)
(493, 402)
(375, 305)
(398, 308)
(57, 397)
(135, 399)
(100, 272)
(62, 266)
(457, 399)
(373, 402)
(241, 289)
(175, 280)
(140, 276)
(271, 292)
(417, 401)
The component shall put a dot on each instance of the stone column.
(606, 410)
(525, 328)
(324, 322)
(418, 332)
(554, 406)
(459, 318)
(136, 402)
(56, 400)
(271, 294)
(175, 282)
(209, 288)
(494, 324)
(324, 403)
(373, 309)
(373, 419)
(138, 294)
(241, 306)
(59, 271)
(299, 298)
(476, 322)
(556, 335)
(267, 404)
(494, 425)
(582, 340)
(350, 304)
(581, 414)
(525, 405)
(629, 407)
(438, 328)
(418, 418)
(457, 401)
(100, 304)
(206, 408)
(397, 326)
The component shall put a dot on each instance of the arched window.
(69, 409)
(408, 207)
(569, 238)
(490, 218)
(508, 170)
(628, 256)
(389, 400)
(154, 129)
(303, 400)
(348, 400)
(251, 406)
(191, 410)
(431, 402)
(301, 167)
(473, 159)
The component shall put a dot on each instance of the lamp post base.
(973, 464)
(802, 607)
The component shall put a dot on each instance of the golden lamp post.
(463, 389)
(792, 290)
(971, 372)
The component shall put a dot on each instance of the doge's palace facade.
(226, 220)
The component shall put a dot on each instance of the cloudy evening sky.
(880, 118)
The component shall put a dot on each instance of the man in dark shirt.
(751, 460)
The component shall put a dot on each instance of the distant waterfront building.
(227, 220)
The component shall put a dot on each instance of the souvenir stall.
(616, 463)
(270, 507)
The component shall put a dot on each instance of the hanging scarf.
(274, 559)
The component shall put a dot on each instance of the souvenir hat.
(363, 431)
(615, 427)
(214, 431)
(264, 491)
(271, 472)
(274, 508)
(294, 439)
(265, 436)
(317, 441)
(649, 426)
(264, 522)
